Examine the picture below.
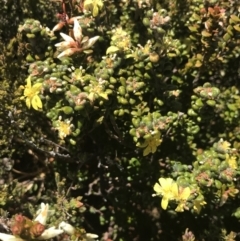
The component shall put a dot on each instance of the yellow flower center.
(64, 129)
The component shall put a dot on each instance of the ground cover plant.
(120, 120)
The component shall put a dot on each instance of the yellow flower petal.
(144, 144)
(29, 84)
(231, 161)
(185, 193)
(174, 188)
(180, 207)
(164, 203)
(165, 182)
(28, 102)
(153, 148)
(37, 87)
(146, 151)
(198, 205)
(27, 92)
(36, 102)
(157, 188)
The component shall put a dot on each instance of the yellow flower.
(184, 193)
(231, 161)
(151, 144)
(197, 205)
(31, 94)
(94, 6)
(63, 127)
(223, 146)
(183, 196)
(168, 189)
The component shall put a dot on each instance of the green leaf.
(229, 30)
(196, 17)
(192, 37)
(112, 49)
(67, 110)
(193, 28)
(235, 18)
(88, 51)
(226, 37)
(129, 56)
(237, 27)
(206, 34)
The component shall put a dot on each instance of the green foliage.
(138, 91)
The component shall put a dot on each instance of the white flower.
(91, 236)
(67, 228)
(76, 44)
(77, 31)
(9, 237)
(70, 230)
(50, 233)
(47, 234)
(42, 214)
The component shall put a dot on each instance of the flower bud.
(67, 228)
(36, 230)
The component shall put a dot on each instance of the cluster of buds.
(25, 229)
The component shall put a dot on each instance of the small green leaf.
(229, 30)
(171, 55)
(206, 34)
(226, 37)
(235, 18)
(237, 27)
(192, 37)
(67, 110)
(129, 56)
(196, 17)
(112, 49)
(193, 28)
(88, 51)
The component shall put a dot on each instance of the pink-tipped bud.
(58, 26)
(69, 52)
(17, 229)
(19, 218)
(36, 230)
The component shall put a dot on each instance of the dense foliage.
(123, 116)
